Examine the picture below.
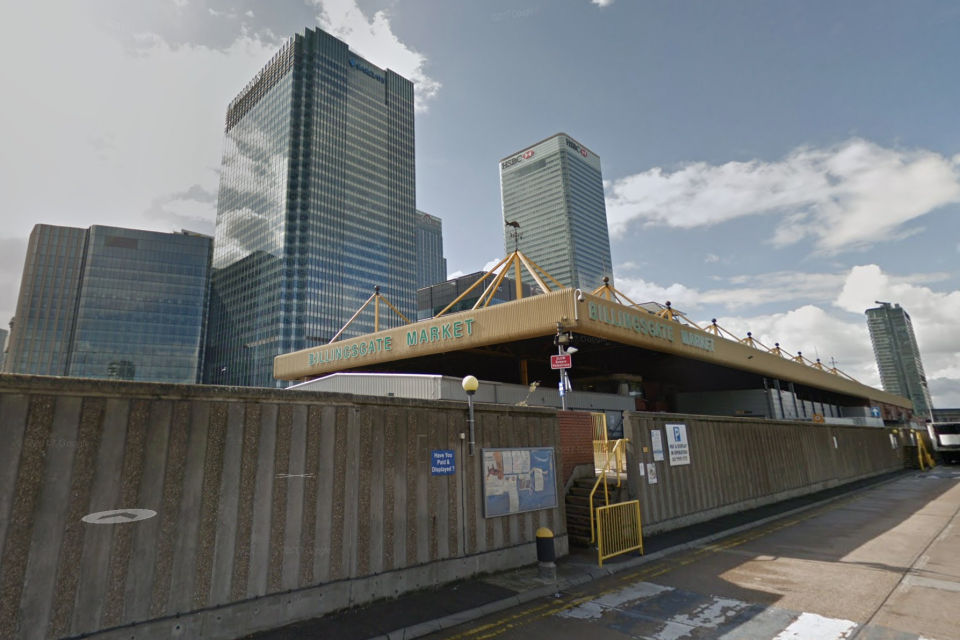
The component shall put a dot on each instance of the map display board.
(518, 480)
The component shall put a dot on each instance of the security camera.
(580, 297)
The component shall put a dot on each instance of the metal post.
(470, 403)
(563, 382)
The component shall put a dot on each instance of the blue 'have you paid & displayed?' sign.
(442, 462)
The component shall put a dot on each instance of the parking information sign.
(442, 463)
(677, 444)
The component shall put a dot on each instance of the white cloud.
(822, 322)
(140, 131)
(934, 315)
(811, 330)
(602, 3)
(490, 265)
(374, 39)
(844, 197)
(945, 392)
(641, 291)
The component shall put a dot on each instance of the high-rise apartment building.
(554, 190)
(898, 356)
(317, 206)
(112, 303)
(431, 265)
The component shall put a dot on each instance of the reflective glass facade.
(3, 341)
(554, 189)
(431, 265)
(113, 303)
(46, 306)
(898, 356)
(435, 298)
(142, 307)
(317, 206)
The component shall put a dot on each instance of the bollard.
(546, 555)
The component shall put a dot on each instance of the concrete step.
(578, 528)
(578, 510)
(579, 541)
(578, 521)
(584, 491)
(585, 501)
(585, 482)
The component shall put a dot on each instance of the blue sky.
(777, 165)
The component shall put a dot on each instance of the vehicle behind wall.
(946, 440)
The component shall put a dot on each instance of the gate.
(618, 529)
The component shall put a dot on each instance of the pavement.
(873, 560)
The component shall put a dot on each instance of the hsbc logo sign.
(573, 145)
(526, 155)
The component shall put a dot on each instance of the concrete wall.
(739, 464)
(236, 545)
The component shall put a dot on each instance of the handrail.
(603, 477)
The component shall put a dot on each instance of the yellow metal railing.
(603, 447)
(922, 452)
(599, 426)
(604, 450)
(618, 530)
(615, 455)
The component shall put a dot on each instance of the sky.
(778, 166)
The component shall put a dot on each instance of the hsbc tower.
(554, 189)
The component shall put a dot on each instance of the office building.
(554, 190)
(3, 346)
(317, 206)
(898, 356)
(431, 265)
(6, 347)
(433, 299)
(112, 303)
(946, 415)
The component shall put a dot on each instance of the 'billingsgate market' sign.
(629, 321)
(415, 337)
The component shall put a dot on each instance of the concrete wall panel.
(739, 463)
(259, 491)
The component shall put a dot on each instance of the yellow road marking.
(659, 568)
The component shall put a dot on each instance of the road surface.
(881, 565)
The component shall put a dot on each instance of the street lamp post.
(470, 385)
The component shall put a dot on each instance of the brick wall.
(576, 440)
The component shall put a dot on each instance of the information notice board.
(518, 480)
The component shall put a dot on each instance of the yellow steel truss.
(375, 298)
(517, 262)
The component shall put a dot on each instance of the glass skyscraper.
(554, 189)
(317, 206)
(898, 356)
(431, 265)
(112, 303)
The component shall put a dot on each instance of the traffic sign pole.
(563, 380)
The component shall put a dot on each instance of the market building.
(663, 361)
